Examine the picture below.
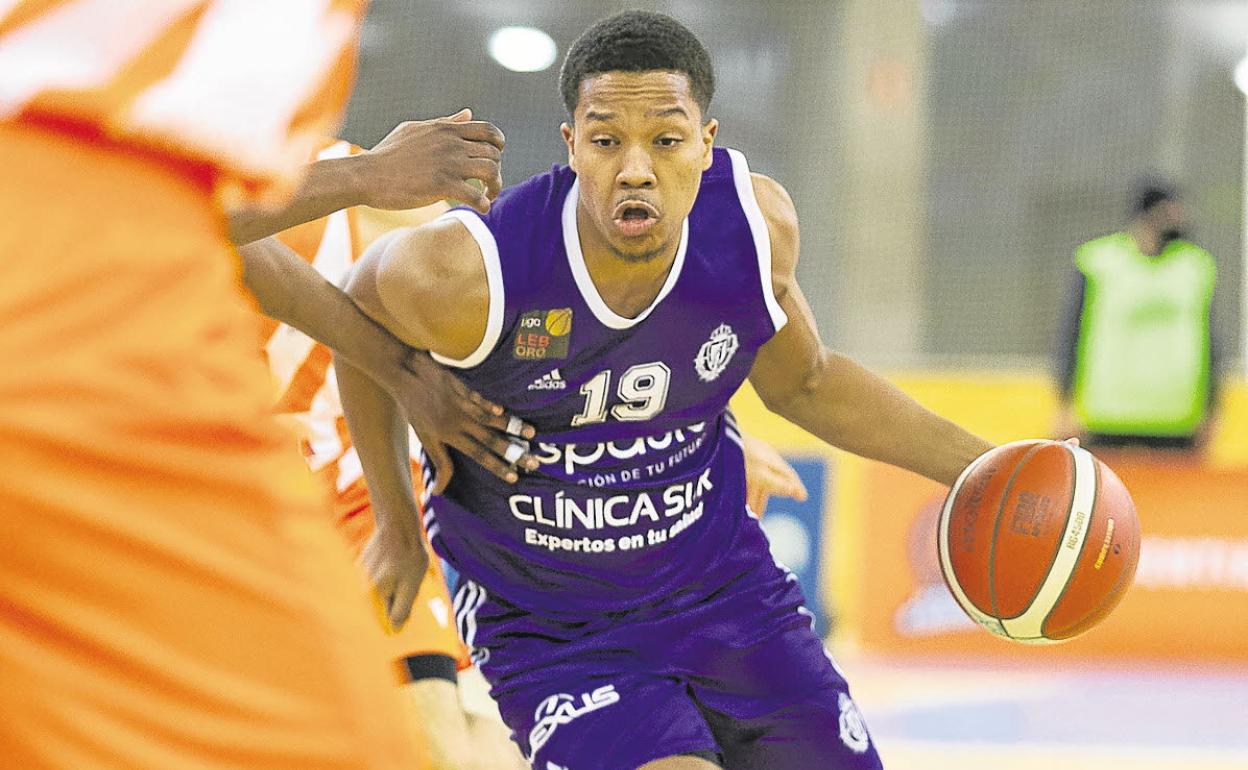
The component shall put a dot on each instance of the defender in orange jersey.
(172, 595)
(427, 647)
(308, 398)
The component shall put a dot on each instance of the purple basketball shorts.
(728, 669)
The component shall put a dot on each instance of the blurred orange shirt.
(308, 396)
(167, 76)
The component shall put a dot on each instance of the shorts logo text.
(561, 708)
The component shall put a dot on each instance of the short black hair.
(1149, 192)
(637, 41)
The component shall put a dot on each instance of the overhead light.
(522, 49)
(1241, 75)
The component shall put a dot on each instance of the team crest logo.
(715, 353)
(543, 334)
(853, 729)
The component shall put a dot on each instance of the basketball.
(559, 322)
(1038, 541)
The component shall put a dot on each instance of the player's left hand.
(767, 474)
(445, 412)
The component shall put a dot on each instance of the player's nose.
(636, 170)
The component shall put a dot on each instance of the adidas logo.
(552, 380)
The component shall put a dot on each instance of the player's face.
(638, 147)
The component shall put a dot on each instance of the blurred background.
(947, 157)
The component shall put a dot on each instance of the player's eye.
(602, 141)
(669, 141)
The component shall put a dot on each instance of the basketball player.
(171, 595)
(625, 611)
(295, 271)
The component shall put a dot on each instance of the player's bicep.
(428, 285)
(786, 365)
(789, 363)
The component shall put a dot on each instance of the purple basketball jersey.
(642, 482)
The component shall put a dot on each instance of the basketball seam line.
(1057, 549)
(1096, 493)
(1122, 576)
(996, 529)
(943, 550)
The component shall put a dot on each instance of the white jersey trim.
(494, 277)
(762, 236)
(1030, 625)
(584, 282)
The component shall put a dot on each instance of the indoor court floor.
(938, 716)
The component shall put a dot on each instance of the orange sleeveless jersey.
(166, 75)
(302, 368)
(308, 394)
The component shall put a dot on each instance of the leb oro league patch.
(543, 334)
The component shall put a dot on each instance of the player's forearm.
(379, 434)
(293, 292)
(856, 410)
(329, 186)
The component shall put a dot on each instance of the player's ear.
(709, 130)
(568, 136)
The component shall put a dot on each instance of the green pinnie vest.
(1142, 366)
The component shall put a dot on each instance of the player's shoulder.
(523, 229)
(442, 252)
(780, 214)
(532, 202)
(773, 200)
(432, 281)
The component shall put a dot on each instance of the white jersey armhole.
(762, 236)
(494, 278)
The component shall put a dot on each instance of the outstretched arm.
(834, 397)
(418, 163)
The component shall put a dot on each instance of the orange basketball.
(1038, 541)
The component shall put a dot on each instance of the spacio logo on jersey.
(680, 442)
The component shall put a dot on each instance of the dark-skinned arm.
(290, 290)
(427, 286)
(441, 409)
(418, 163)
(832, 396)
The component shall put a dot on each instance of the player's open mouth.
(634, 217)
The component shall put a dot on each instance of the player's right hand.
(445, 412)
(396, 562)
(425, 161)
